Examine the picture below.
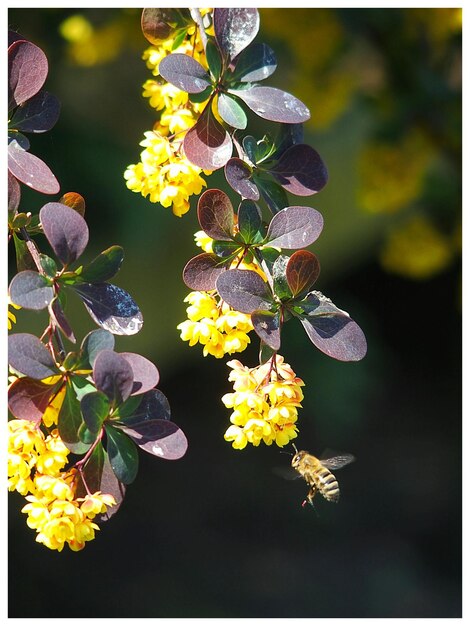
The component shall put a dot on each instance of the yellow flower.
(213, 324)
(96, 503)
(11, 315)
(265, 402)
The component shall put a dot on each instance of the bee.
(317, 475)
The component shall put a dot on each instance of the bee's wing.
(289, 473)
(336, 462)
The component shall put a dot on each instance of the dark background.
(218, 534)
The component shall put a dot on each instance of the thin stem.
(34, 252)
(197, 17)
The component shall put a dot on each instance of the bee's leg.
(310, 496)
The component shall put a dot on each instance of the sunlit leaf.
(184, 72)
(294, 227)
(332, 330)
(58, 315)
(235, 29)
(29, 356)
(231, 112)
(300, 170)
(207, 144)
(14, 193)
(274, 104)
(225, 249)
(161, 438)
(244, 290)
(278, 272)
(158, 24)
(113, 375)
(145, 374)
(200, 273)
(75, 201)
(30, 170)
(238, 174)
(31, 290)
(110, 484)
(213, 59)
(303, 269)
(28, 398)
(215, 214)
(27, 71)
(255, 63)
(111, 307)
(123, 455)
(65, 229)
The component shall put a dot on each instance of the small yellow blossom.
(213, 324)
(11, 315)
(265, 402)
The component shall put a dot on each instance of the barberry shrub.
(79, 415)
(255, 272)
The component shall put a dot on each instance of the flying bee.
(317, 475)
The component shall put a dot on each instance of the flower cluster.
(264, 402)
(36, 465)
(214, 324)
(164, 174)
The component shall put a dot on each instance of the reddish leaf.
(37, 115)
(27, 71)
(145, 373)
(65, 229)
(28, 398)
(238, 175)
(158, 24)
(184, 72)
(113, 375)
(27, 355)
(30, 170)
(201, 272)
(14, 193)
(215, 214)
(161, 438)
(58, 315)
(267, 327)
(75, 201)
(207, 144)
(302, 270)
(235, 29)
(244, 290)
(294, 227)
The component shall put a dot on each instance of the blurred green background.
(218, 534)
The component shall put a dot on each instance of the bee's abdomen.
(328, 485)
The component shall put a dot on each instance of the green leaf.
(104, 266)
(122, 454)
(129, 407)
(24, 260)
(213, 59)
(250, 222)
(250, 146)
(48, 265)
(281, 287)
(273, 194)
(86, 436)
(70, 420)
(179, 38)
(95, 409)
(201, 96)
(231, 112)
(224, 249)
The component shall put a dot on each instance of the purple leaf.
(215, 214)
(289, 135)
(160, 438)
(113, 376)
(27, 71)
(58, 315)
(255, 63)
(274, 104)
(207, 144)
(65, 229)
(153, 406)
(111, 307)
(267, 327)
(300, 170)
(331, 330)
(238, 175)
(235, 29)
(14, 193)
(108, 483)
(37, 115)
(145, 373)
(28, 399)
(28, 356)
(294, 227)
(184, 72)
(201, 272)
(31, 290)
(158, 24)
(244, 291)
(302, 270)
(30, 170)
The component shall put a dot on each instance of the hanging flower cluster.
(36, 465)
(264, 402)
(164, 174)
